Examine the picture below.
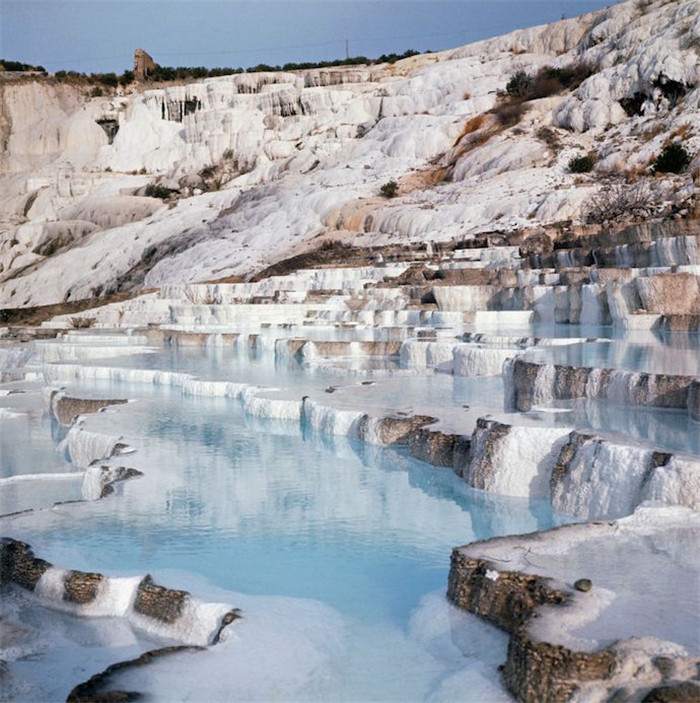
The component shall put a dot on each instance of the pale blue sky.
(101, 35)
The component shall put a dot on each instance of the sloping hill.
(264, 166)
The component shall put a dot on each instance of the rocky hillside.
(250, 169)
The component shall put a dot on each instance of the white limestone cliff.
(303, 154)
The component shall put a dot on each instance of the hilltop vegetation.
(164, 74)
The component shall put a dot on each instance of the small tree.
(672, 159)
(389, 189)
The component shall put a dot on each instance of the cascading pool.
(336, 551)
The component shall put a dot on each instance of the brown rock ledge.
(65, 407)
(485, 579)
(96, 688)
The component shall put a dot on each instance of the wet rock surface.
(159, 602)
(19, 565)
(482, 582)
(683, 692)
(81, 587)
(532, 383)
(439, 448)
(96, 688)
(391, 429)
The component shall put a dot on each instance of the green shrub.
(156, 191)
(389, 189)
(547, 81)
(672, 159)
(20, 66)
(126, 77)
(96, 92)
(581, 164)
(518, 84)
(109, 79)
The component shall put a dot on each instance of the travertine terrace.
(498, 320)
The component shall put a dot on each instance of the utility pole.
(347, 49)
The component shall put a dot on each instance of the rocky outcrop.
(159, 602)
(682, 692)
(534, 671)
(494, 579)
(538, 671)
(81, 587)
(506, 598)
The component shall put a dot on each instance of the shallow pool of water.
(352, 539)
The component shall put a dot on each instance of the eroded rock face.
(694, 400)
(439, 448)
(672, 293)
(390, 429)
(494, 579)
(81, 587)
(65, 408)
(19, 565)
(680, 323)
(532, 384)
(505, 598)
(159, 602)
(540, 671)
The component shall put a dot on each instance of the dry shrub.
(634, 173)
(620, 202)
(509, 113)
(549, 137)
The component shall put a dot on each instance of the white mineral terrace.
(350, 366)
(291, 396)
